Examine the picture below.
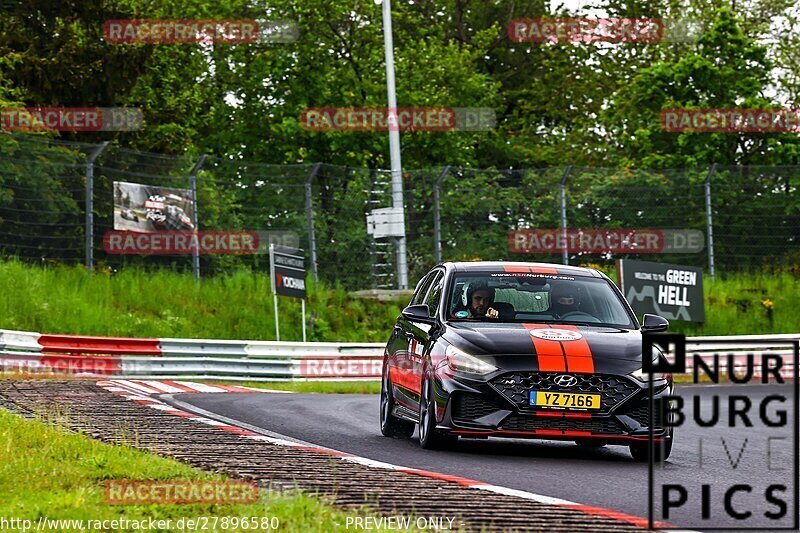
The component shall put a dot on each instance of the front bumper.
(499, 407)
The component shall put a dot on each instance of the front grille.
(471, 406)
(640, 413)
(516, 386)
(604, 426)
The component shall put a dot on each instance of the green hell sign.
(672, 291)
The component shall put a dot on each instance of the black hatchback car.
(522, 350)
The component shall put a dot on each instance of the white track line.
(199, 387)
(160, 386)
(136, 386)
(179, 408)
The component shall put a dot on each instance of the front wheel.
(431, 438)
(391, 426)
(663, 449)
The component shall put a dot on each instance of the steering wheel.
(582, 316)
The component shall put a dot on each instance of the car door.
(405, 386)
(420, 333)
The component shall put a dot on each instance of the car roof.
(521, 267)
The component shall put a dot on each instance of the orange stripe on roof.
(519, 269)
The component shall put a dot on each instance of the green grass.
(58, 475)
(136, 303)
(58, 299)
(328, 387)
(740, 305)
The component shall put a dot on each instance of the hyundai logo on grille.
(566, 381)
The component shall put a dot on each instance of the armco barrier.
(257, 360)
(19, 340)
(188, 358)
(744, 345)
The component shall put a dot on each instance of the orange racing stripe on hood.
(578, 353)
(549, 353)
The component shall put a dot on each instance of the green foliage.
(556, 103)
(748, 305)
(726, 69)
(137, 303)
(321, 387)
(64, 474)
(592, 105)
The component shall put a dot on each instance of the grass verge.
(46, 472)
(136, 303)
(327, 387)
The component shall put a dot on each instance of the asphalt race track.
(605, 477)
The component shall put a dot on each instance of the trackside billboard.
(148, 208)
(290, 272)
(672, 291)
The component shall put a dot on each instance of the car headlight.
(658, 377)
(468, 364)
(644, 377)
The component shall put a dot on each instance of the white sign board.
(386, 222)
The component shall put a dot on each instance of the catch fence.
(57, 203)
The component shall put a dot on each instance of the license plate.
(571, 400)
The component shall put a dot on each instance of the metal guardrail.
(264, 360)
(188, 358)
(722, 345)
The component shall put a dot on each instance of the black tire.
(431, 438)
(391, 426)
(663, 449)
(590, 443)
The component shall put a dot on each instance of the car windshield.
(542, 298)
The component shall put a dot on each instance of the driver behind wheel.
(564, 300)
(480, 297)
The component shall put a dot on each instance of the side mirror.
(653, 323)
(418, 313)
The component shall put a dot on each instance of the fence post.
(563, 187)
(710, 221)
(437, 217)
(312, 236)
(89, 229)
(195, 216)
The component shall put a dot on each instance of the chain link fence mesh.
(470, 213)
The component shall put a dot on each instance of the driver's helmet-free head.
(475, 286)
(564, 298)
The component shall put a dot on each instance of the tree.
(725, 70)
